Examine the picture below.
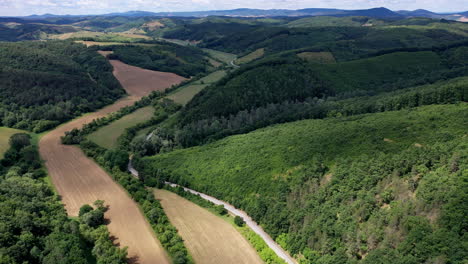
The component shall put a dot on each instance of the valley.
(235, 136)
(80, 181)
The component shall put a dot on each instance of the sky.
(78, 7)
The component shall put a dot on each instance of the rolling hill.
(378, 188)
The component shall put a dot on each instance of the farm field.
(140, 82)
(251, 56)
(221, 56)
(209, 238)
(5, 134)
(80, 180)
(184, 94)
(106, 43)
(107, 136)
(99, 35)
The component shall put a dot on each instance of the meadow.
(107, 136)
(251, 56)
(5, 134)
(185, 93)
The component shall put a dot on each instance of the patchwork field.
(107, 43)
(5, 134)
(107, 136)
(251, 56)
(209, 238)
(80, 180)
(99, 35)
(185, 93)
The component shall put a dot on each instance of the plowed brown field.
(80, 180)
(140, 82)
(210, 239)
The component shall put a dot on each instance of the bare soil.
(79, 180)
(140, 82)
(209, 238)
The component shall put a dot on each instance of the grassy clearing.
(185, 93)
(221, 56)
(320, 57)
(5, 134)
(251, 56)
(107, 136)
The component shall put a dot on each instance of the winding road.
(230, 208)
(79, 180)
(249, 222)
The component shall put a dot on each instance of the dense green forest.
(275, 81)
(284, 90)
(34, 226)
(345, 138)
(13, 31)
(43, 84)
(186, 61)
(206, 130)
(377, 188)
(345, 42)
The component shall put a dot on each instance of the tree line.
(115, 162)
(34, 226)
(203, 131)
(374, 188)
(186, 61)
(44, 84)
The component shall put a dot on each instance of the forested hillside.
(344, 41)
(343, 137)
(279, 80)
(376, 188)
(277, 91)
(43, 84)
(163, 56)
(14, 31)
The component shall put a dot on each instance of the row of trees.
(265, 252)
(116, 162)
(165, 139)
(75, 136)
(34, 226)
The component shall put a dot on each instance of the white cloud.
(27, 7)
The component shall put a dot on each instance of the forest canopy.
(43, 84)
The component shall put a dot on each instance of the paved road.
(233, 64)
(248, 220)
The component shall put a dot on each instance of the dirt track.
(80, 180)
(210, 239)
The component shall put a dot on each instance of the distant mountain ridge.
(380, 12)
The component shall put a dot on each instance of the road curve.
(79, 180)
(248, 220)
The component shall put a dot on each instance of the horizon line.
(218, 10)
